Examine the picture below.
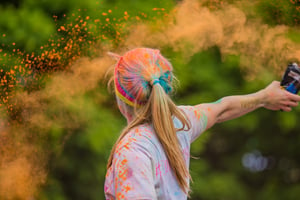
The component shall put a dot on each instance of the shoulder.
(140, 138)
(197, 116)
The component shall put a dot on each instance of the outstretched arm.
(273, 97)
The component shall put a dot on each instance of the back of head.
(143, 80)
(135, 72)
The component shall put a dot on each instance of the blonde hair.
(154, 107)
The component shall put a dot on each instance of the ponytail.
(162, 109)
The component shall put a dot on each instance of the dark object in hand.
(291, 78)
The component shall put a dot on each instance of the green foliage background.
(77, 170)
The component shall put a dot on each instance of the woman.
(150, 159)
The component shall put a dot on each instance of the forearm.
(236, 106)
(273, 97)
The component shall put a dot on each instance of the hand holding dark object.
(277, 98)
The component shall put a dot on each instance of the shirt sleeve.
(133, 174)
(198, 119)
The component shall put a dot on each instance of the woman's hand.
(277, 98)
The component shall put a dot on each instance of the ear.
(114, 56)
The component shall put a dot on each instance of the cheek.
(122, 110)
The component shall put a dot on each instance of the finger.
(286, 109)
(294, 97)
(291, 103)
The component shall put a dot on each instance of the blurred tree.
(275, 12)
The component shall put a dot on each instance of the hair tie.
(155, 81)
